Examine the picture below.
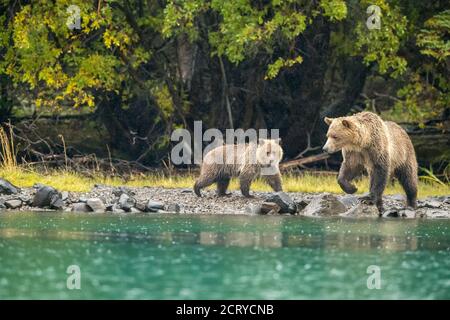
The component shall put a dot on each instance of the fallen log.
(298, 162)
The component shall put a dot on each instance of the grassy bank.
(307, 182)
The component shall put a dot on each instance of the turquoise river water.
(221, 257)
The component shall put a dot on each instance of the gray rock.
(126, 202)
(284, 201)
(64, 195)
(392, 213)
(13, 204)
(2, 204)
(47, 197)
(408, 213)
(430, 203)
(349, 200)
(7, 187)
(81, 207)
(96, 205)
(270, 208)
(174, 208)
(324, 205)
(253, 209)
(434, 213)
(141, 206)
(301, 204)
(134, 210)
(154, 206)
(115, 208)
(362, 210)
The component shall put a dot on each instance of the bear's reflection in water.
(258, 232)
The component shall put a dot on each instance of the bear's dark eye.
(268, 153)
(334, 137)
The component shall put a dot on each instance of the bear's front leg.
(378, 181)
(346, 174)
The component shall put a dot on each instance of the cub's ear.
(328, 121)
(347, 123)
(261, 141)
(278, 140)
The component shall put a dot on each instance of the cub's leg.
(245, 181)
(274, 181)
(222, 186)
(407, 176)
(351, 167)
(205, 180)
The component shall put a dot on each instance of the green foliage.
(128, 49)
(433, 39)
(427, 91)
(382, 45)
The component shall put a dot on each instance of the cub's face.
(341, 134)
(269, 152)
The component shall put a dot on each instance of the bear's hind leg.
(378, 181)
(245, 183)
(274, 181)
(407, 177)
(222, 186)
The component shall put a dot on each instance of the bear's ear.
(347, 123)
(278, 141)
(261, 141)
(328, 121)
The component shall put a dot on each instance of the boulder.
(434, 213)
(154, 206)
(430, 203)
(253, 209)
(174, 208)
(13, 204)
(81, 207)
(126, 202)
(96, 205)
(284, 201)
(7, 188)
(301, 204)
(324, 205)
(270, 208)
(362, 210)
(349, 200)
(399, 213)
(141, 206)
(47, 197)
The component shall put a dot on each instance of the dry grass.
(307, 182)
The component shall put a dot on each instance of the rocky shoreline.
(148, 200)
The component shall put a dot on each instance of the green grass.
(306, 182)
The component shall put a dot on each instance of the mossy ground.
(306, 182)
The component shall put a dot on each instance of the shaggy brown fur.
(245, 161)
(383, 148)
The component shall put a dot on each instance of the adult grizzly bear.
(383, 148)
(246, 161)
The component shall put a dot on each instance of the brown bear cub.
(383, 148)
(246, 161)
